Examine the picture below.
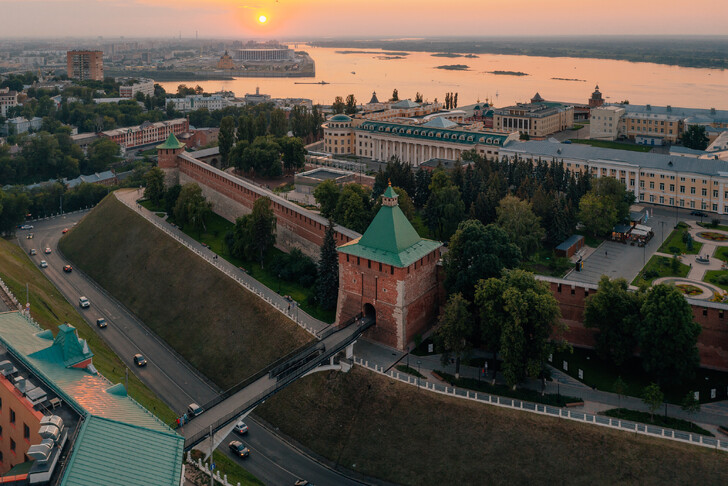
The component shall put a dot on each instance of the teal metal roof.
(440, 122)
(116, 454)
(94, 397)
(171, 143)
(465, 137)
(405, 104)
(340, 118)
(390, 239)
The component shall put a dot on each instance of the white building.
(144, 86)
(8, 99)
(22, 125)
(605, 122)
(196, 102)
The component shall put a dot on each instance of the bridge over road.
(244, 397)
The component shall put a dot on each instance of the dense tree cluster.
(659, 321)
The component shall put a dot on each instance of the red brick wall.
(712, 342)
(405, 299)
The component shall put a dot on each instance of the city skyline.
(323, 18)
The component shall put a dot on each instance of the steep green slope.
(376, 426)
(222, 329)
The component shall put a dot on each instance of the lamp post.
(419, 362)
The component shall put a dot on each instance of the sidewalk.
(710, 415)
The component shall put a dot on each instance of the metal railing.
(564, 413)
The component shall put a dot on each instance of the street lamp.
(419, 362)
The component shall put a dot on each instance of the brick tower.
(596, 99)
(390, 273)
(167, 158)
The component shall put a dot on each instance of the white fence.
(564, 413)
(10, 295)
(220, 478)
(288, 308)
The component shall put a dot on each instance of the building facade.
(8, 99)
(537, 120)
(83, 65)
(667, 180)
(144, 86)
(147, 132)
(390, 274)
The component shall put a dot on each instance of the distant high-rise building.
(84, 65)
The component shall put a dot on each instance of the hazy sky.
(321, 18)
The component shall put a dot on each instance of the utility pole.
(212, 460)
(126, 379)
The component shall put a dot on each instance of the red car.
(65, 230)
(68, 268)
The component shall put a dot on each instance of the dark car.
(67, 268)
(239, 449)
(140, 360)
(101, 322)
(699, 214)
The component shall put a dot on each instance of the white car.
(27, 227)
(240, 428)
(43, 264)
(84, 303)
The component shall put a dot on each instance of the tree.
(477, 252)
(668, 335)
(445, 208)
(422, 187)
(246, 129)
(278, 123)
(398, 174)
(226, 139)
(338, 105)
(350, 105)
(170, 198)
(615, 311)
(597, 214)
(518, 316)
(327, 281)
(191, 207)
(263, 228)
(455, 331)
(455, 101)
(327, 197)
(102, 153)
(653, 397)
(418, 97)
(154, 190)
(293, 153)
(690, 404)
(523, 227)
(395, 95)
(353, 209)
(261, 125)
(695, 138)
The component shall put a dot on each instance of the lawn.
(236, 474)
(382, 428)
(675, 244)
(613, 145)
(658, 267)
(717, 277)
(49, 308)
(545, 262)
(602, 375)
(720, 227)
(214, 236)
(208, 318)
(722, 253)
(657, 419)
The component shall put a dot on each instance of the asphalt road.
(272, 460)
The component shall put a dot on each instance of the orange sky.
(322, 18)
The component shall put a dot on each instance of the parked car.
(193, 410)
(67, 268)
(65, 230)
(239, 449)
(84, 302)
(699, 214)
(43, 264)
(140, 360)
(47, 251)
(240, 427)
(33, 251)
(101, 322)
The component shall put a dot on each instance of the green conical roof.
(390, 238)
(171, 143)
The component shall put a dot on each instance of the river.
(367, 71)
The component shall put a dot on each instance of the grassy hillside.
(385, 429)
(49, 308)
(222, 329)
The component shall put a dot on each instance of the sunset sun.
(262, 19)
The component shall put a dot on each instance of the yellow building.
(538, 120)
(225, 62)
